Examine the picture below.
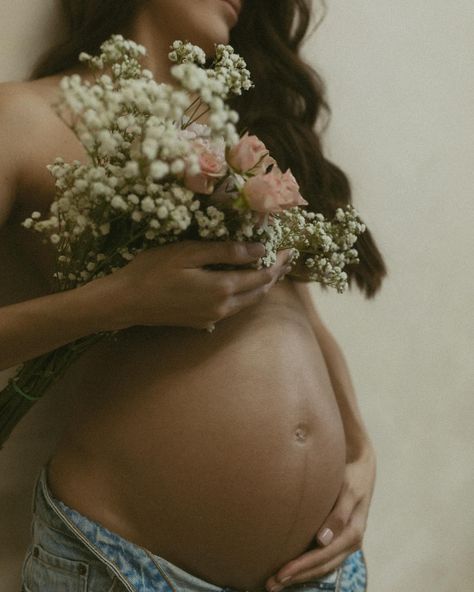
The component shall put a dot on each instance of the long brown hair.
(288, 100)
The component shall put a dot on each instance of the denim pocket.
(44, 570)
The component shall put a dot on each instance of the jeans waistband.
(134, 566)
(137, 568)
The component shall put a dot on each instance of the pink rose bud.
(273, 192)
(248, 153)
(292, 190)
(212, 163)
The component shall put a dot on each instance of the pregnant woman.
(235, 460)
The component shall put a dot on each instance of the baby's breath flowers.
(155, 175)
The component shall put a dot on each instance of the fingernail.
(326, 536)
(276, 588)
(285, 580)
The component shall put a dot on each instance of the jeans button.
(82, 570)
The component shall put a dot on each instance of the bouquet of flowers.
(155, 175)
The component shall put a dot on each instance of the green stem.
(198, 101)
(198, 116)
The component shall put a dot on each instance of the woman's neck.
(145, 30)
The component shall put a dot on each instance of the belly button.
(301, 432)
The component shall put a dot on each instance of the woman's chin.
(208, 39)
(210, 50)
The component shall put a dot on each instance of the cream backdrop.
(400, 83)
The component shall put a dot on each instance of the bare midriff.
(222, 453)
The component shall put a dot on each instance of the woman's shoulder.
(26, 104)
(31, 136)
(19, 108)
(27, 120)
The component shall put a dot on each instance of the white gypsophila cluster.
(212, 92)
(231, 69)
(211, 223)
(93, 211)
(135, 132)
(121, 55)
(228, 68)
(184, 52)
(143, 143)
(271, 234)
(109, 115)
(325, 247)
(118, 122)
(228, 75)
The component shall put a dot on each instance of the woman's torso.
(221, 452)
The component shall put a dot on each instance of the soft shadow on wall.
(28, 27)
(401, 88)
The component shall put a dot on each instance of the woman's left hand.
(343, 530)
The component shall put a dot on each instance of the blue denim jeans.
(71, 553)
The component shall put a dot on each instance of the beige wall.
(402, 94)
(401, 87)
(27, 27)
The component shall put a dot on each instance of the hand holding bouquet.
(155, 176)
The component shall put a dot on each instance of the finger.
(245, 299)
(250, 279)
(282, 265)
(322, 570)
(283, 257)
(230, 252)
(348, 539)
(247, 279)
(338, 518)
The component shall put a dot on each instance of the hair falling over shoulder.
(288, 100)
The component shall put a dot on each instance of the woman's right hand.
(168, 285)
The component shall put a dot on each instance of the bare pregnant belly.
(222, 453)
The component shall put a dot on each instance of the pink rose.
(212, 163)
(292, 190)
(273, 192)
(248, 153)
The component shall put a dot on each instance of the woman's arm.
(34, 327)
(357, 438)
(167, 285)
